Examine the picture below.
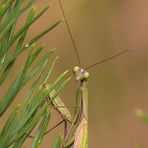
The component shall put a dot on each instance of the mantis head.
(80, 73)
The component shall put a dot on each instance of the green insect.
(78, 136)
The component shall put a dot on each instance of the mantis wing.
(81, 137)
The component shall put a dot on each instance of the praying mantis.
(78, 137)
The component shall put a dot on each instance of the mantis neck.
(84, 99)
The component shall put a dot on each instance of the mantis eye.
(85, 75)
(75, 69)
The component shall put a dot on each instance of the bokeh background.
(101, 28)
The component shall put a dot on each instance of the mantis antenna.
(75, 47)
(71, 36)
(105, 60)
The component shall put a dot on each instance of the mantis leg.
(69, 133)
(65, 128)
(81, 135)
(52, 128)
(69, 139)
(78, 105)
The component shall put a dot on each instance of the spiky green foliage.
(8, 37)
(35, 109)
(58, 142)
(142, 115)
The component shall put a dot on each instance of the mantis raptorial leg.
(58, 105)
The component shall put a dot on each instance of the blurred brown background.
(100, 28)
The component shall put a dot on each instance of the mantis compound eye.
(85, 75)
(76, 69)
